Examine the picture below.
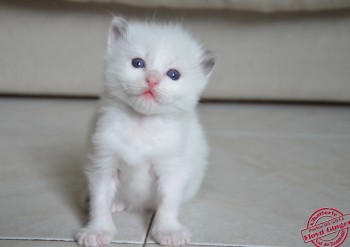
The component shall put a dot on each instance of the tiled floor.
(271, 166)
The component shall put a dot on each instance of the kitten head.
(155, 68)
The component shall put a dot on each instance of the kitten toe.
(176, 237)
(93, 238)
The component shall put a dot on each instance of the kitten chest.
(142, 140)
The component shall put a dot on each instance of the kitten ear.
(116, 31)
(208, 62)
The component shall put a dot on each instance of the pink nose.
(152, 78)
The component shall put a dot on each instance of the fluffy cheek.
(133, 84)
(169, 92)
(122, 79)
(190, 91)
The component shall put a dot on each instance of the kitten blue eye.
(173, 74)
(138, 63)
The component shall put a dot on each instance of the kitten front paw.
(94, 238)
(173, 237)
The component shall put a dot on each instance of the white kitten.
(147, 149)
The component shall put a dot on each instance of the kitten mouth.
(149, 95)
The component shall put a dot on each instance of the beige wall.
(54, 47)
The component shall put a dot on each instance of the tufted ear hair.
(116, 31)
(208, 62)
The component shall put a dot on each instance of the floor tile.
(41, 179)
(270, 167)
(34, 243)
(261, 192)
(212, 245)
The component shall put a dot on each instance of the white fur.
(147, 153)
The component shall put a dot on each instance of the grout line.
(200, 244)
(138, 243)
(60, 240)
(125, 242)
(277, 135)
(37, 239)
(149, 229)
(229, 245)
